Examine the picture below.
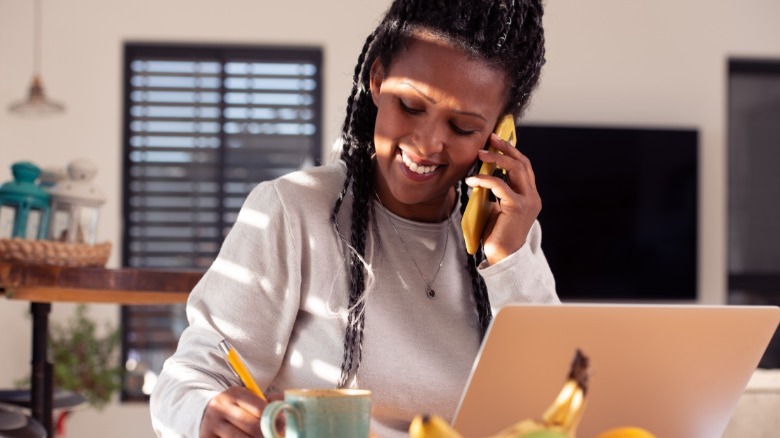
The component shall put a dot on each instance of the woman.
(355, 274)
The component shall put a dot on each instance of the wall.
(609, 62)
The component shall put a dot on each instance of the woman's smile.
(419, 167)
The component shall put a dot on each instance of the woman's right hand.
(234, 412)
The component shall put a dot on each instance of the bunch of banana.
(559, 420)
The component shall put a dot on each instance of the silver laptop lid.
(675, 370)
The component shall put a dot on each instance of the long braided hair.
(507, 34)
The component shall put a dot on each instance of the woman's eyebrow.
(420, 92)
(432, 100)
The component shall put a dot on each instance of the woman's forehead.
(436, 63)
(431, 54)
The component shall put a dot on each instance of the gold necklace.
(429, 291)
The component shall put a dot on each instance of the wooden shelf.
(41, 283)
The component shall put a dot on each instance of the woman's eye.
(407, 109)
(456, 129)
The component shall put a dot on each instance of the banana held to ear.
(431, 426)
(561, 418)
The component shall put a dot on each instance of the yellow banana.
(563, 415)
(626, 432)
(431, 426)
(556, 413)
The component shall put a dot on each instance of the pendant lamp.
(36, 103)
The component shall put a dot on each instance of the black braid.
(507, 34)
(360, 177)
(351, 108)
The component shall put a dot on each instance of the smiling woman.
(361, 278)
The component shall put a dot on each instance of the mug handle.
(268, 420)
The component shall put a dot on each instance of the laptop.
(675, 370)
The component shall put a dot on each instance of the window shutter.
(203, 126)
(754, 187)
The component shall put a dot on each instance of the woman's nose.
(430, 138)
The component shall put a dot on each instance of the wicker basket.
(47, 252)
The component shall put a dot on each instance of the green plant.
(84, 362)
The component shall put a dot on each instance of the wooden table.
(41, 285)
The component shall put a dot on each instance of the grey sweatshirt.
(278, 293)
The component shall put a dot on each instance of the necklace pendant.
(431, 293)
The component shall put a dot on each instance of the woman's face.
(436, 109)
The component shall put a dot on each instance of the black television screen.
(619, 210)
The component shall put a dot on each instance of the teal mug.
(320, 413)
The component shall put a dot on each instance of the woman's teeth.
(422, 170)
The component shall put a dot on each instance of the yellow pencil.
(237, 365)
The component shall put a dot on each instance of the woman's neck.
(434, 210)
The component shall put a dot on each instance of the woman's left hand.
(519, 202)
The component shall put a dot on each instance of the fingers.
(513, 161)
(234, 412)
(519, 177)
(248, 401)
(493, 184)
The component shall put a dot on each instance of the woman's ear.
(377, 75)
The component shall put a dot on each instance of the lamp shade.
(75, 204)
(36, 103)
